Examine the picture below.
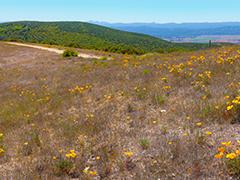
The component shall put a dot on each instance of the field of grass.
(155, 116)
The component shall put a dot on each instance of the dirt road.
(55, 50)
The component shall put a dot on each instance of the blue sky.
(160, 11)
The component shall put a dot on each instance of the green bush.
(63, 167)
(233, 166)
(144, 143)
(146, 71)
(70, 53)
(158, 99)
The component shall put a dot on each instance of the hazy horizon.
(137, 22)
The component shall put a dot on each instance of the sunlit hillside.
(89, 36)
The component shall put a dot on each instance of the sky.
(125, 11)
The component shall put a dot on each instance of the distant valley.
(206, 38)
(185, 32)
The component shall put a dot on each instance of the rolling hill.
(88, 36)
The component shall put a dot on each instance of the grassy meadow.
(154, 116)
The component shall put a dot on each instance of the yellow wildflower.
(166, 88)
(228, 143)
(71, 154)
(199, 124)
(86, 170)
(128, 153)
(229, 107)
(231, 156)
(208, 133)
(236, 101)
(219, 155)
(92, 173)
(221, 149)
(1, 151)
(164, 79)
(227, 97)
(237, 152)
(204, 97)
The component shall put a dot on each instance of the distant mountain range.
(174, 31)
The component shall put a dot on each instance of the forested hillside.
(88, 36)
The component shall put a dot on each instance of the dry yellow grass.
(149, 117)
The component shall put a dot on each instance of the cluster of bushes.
(70, 53)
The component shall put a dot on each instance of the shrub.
(70, 53)
(158, 99)
(27, 149)
(144, 143)
(229, 152)
(63, 167)
(146, 71)
(233, 166)
(103, 58)
(141, 93)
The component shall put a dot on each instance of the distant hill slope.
(88, 36)
(173, 30)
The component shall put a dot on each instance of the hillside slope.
(88, 36)
(146, 117)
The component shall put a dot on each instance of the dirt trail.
(58, 51)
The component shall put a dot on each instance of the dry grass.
(149, 117)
